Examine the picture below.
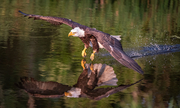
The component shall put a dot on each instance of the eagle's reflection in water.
(92, 76)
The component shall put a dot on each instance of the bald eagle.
(86, 86)
(96, 37)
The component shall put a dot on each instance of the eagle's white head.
(74, 92)
(77, 32)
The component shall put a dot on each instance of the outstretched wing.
(54, 20)
(114, 46)
(110, 43)
(42, 89)
(100, 93)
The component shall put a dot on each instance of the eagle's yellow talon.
(84, 52)
(92, 56)
(83, 62)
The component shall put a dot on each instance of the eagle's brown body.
(86, 40)
(111, 44)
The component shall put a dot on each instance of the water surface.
(32, 48)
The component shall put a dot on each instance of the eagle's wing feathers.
(100, 93)
(53, 20)
(114, 46)
(125, 60)
(42, 89)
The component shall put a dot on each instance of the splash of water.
(154, 50)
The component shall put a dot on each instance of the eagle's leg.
(92, 55)
(84, 52)
(83, 62)
(95, 47)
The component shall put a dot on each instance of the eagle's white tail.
(117, 37)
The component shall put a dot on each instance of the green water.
(38, 49)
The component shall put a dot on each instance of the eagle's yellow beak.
(67, 94)
(71, 34)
